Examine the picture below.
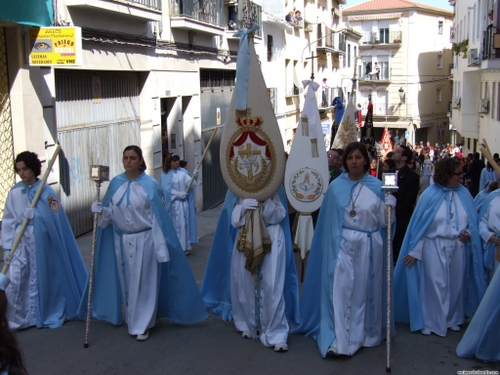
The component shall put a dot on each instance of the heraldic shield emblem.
(251, 155)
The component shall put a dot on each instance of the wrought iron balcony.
(205, 11)
(391, 37)
(155, 4)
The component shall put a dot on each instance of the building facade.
(403, 67)
(475, 106)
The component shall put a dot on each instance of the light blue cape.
(61, 271)
(482, 337)
(216, 287)
(178, 298)
(408, 308)
(316, 305)
(489, 251)
(166, 187)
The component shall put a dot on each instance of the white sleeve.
(273, 211)
(238, 217)
(416, 252)
(105, 218)
(484, 231)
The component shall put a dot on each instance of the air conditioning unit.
(484, 106)
(456, 102)
(473, 57)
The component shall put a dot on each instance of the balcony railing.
(489, 50)
(155, 4)
(392, 37)
(330, 40)
(208, 11)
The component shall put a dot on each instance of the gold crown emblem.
(245, 121)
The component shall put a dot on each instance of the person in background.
(298, 17)
(139, 261)
(324, 87)
(179, 204)
(373, 169)
(289, 17)
(333, 157)
(164, 145)
(406, 195)
(340, 161)
(474, 173)
(342, 303)
(358, 115)
(489, 229)
(439, 277)
(377, 70)
(488, 174)
(481, 339)
(47, 265)
(388, 166)
(11, 360)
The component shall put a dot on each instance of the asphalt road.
(214, 346)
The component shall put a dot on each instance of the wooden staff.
(92, 267)
(32, 206)
(203, 155)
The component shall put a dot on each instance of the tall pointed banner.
(306, 172)
(252, 154)
(367, 131)
(347, 132)
(386, 142)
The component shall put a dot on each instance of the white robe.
(274, 326)
(442, 269)
(490, 225)
(179, 211)
(23, 291)
(136, 258)
(357, 322)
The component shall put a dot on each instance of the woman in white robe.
(139, 245)
(443, 238)
(139, 263)
(342, 304)
(174, 183)
(47, 264)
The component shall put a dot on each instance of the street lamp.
(401, 95)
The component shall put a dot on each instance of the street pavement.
(214, 347)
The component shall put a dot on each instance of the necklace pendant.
(451, 215)
(352, 213)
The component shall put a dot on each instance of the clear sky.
(443, 4)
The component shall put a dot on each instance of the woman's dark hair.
(351, 147)
(445, 169)
(390, 163)
(11, 360)
(183, 164)
(138, 151)
(31, 160)
(168, 159)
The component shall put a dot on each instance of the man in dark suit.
(406, 196)
(474, 173)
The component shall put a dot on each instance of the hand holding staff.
(203, 155)
(20, 234)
